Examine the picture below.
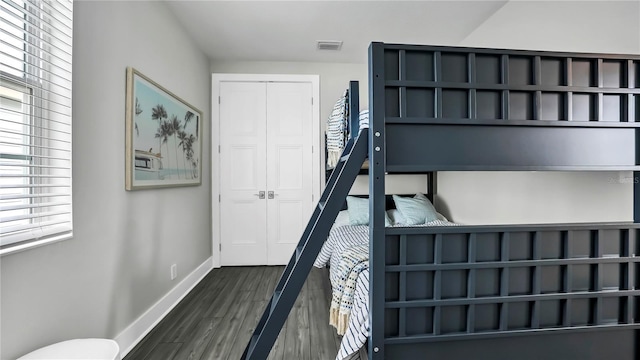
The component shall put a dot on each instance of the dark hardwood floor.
(215, 320)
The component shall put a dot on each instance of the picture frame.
(163, 136)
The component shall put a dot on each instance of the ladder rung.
(252, 343)
(298, 252)
(274, 299)
(321, 204)
(345, 158)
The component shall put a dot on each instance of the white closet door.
(243, 167)
(289, 170)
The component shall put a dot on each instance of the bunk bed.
(495, 292)
(551, 291)
(482, 292)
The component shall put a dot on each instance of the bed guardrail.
(479, 282)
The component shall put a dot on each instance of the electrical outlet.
(174, 271)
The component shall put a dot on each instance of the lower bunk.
(551, 291)
(346, 254)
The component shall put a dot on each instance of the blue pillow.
(395, 216)
(415, 210)
(358, 209)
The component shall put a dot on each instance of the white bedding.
(342, 238)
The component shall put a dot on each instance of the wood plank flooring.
(215, 320)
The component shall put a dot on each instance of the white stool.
(85, 349)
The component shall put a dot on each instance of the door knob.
(271, 194)
(260, 194)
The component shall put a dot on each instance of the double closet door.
(265, 170)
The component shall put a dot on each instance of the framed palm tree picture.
(163, 137)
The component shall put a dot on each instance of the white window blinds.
(35, 122)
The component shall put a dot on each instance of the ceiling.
(288, 30)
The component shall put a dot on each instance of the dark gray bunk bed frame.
(553, 291)
(489, 292)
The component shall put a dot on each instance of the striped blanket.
(340, 240)
(352, 262)
(346, 239)
(337, 131)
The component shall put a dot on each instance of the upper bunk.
(436, 108)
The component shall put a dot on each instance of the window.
(35, 122)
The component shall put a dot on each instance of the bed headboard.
(389, 204)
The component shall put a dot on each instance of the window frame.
(47, 124)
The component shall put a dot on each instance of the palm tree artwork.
(188, 117)
(159, 113)
(138, 111)
(182, 136)
(162, 134)
(165, 136)
(175, 126)
(190, 140)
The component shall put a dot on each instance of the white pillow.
(397, 219)
(442, 217)
(416, 210)
(358, 208)
(393, 215)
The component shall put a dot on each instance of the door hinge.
(218, 99)
(220, 247)
(219, 197)
(219, 150)
(311, 101)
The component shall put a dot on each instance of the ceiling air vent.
(329, 45)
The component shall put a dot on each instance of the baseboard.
(135, 332)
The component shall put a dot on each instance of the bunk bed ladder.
(316, 232)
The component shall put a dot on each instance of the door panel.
(241, 214)
(290, 220)
(243, 219)
(244, 177)
(287, 162)
(289, 174)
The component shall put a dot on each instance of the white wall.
(525, 197)
(535, 197)
(393, 184)
(608, 26)
(117, 264)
